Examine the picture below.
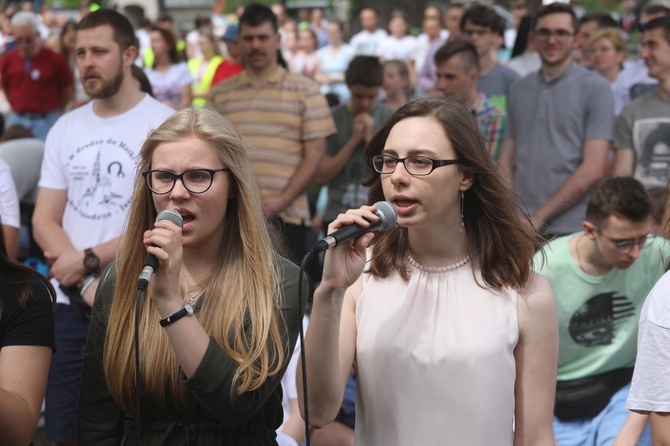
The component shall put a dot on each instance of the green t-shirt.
(598, 316)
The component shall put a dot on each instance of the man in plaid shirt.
(457, 74)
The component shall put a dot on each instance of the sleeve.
(623, 131)
(100, 418)
(32, 324)
(496, 132)
(9, 200)
(52, 175)
(512, 76)
(213, 379)
(317, 121)
(185, 76)
(650, 388)
(600, 111)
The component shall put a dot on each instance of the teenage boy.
(345, 166)
(482, 26)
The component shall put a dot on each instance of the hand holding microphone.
(342, 267)
(151, 262)
(387, 214)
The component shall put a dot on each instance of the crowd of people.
(518, 299)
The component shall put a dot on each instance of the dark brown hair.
(556, 8)
(171, 41)
(621, 196)
(458, 47)
(124, 34)
(490, 210)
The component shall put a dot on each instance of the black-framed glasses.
(196, 181)
(415, 165)
(626, 246)
(560, 34)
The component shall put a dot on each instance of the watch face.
(91, 262)
(188, 308)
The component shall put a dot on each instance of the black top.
(214, 418)
(31, 324)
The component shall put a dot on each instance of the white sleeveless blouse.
(435, 360)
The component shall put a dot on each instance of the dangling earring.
(462, 217)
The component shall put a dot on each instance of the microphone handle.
(344, 235)
(150, 265)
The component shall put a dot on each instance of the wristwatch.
(174, 317)
(91, 261)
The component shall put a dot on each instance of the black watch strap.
(174, 317)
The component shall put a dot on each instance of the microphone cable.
(303, 361)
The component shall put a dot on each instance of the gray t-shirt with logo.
(644, 126)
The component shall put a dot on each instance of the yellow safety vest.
(149, 57)
(206, 79)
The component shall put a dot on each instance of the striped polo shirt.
(274, 121)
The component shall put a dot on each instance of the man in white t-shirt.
(369, 40)
(85, 191)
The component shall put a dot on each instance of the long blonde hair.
(240, 309)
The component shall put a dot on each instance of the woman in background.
(26, 345)
(607, 54)
(169, 76)
(333, 61)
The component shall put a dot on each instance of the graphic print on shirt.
(595, 323)
(651, 138)
(101, 173)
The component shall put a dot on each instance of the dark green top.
(214, 418)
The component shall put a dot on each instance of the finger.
(362, 242)
(158, 241)
(160, 253)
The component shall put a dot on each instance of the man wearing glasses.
(36, 80)
(559, 126)
(600, 278)
(482, 27)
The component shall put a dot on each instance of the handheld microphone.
(151, 262)
(388, 215)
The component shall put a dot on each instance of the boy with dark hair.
(600, 278)
(457, 68)
(344, 165)
(483, 27)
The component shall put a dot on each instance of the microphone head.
(388, 215)
(171, 215)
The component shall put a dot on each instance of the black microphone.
(388, 215)
(151, 263)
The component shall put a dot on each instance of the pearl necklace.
(437, 269)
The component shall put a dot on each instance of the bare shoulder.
(536, 301)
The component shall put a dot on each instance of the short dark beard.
(108, 88)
